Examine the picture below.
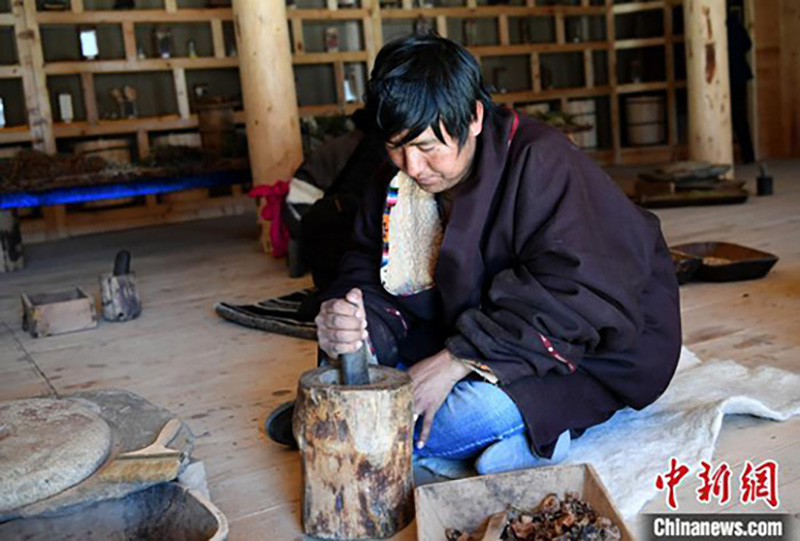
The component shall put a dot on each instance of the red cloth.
(275, 195)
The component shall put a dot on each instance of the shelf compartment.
(527, 30)
(181, 34)
(70, 84)
(316, 85)
(641, 65)
(504, 74)
(350, 35)
(61, 43)
(11, 90)
(156, 93)
(8, 46)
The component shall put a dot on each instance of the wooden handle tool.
(154, 463)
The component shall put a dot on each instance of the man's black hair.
(421, 81)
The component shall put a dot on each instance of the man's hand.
(342, 324)
(433, 379)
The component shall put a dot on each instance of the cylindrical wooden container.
(177, 140)
(356, 444)
(111, 150)
(216, 121)
(584, 112)
(645, 120)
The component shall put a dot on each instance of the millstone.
(46, 446)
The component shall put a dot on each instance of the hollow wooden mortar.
(356, 444)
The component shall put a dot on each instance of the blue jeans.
(480, 421)
(475, 415)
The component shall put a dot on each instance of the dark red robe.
(547, 274)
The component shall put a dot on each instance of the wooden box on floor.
(467, 503)
(46, 314)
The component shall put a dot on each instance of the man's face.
(436, 166)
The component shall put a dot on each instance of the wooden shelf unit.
(19, 133)
(42, 132)
(372, 17)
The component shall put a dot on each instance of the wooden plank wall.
(777, 49)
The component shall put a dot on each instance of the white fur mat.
(634, 447)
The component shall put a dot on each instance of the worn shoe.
(279, 425)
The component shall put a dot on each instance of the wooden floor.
(223, 379)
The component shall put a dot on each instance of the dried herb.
(570, 519)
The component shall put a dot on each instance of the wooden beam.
(488, 11)
(34, 80)
(633, 88)
(635, 7)
(561, 29)
(15, 134)
(639, 43)
(672, 106)
(527, 48)
(329, 110)
(373, 31)
(536, 73)
(171, 6)
(556, 94)
(143, 145)
(790, 73)
(326, 15)
(10, 72)
(133, 15)
(338, 77)
(330, 58)
(298, 40)
(611, 34)
(268, 89)
(502, 30)
(129, 41)
(77, 6)
(182, 95)
(109, 127)
(150, 64)
(588, 68)
(710, 129)
(441, 25)
(89, 98)
(218, 38)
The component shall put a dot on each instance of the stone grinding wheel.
(46, 446)
(356, 443)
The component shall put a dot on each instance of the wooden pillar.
(710, 130)
(270, 99)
